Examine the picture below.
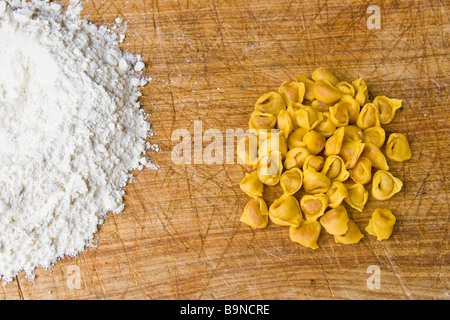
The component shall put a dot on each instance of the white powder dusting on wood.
(71, 129)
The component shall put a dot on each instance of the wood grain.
(180, 235)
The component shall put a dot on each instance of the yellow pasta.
(251, 185)
(315, 162)
(335, 221)
(362, 93)
(368, 117)
(385, 185)
(314, 141)
(322, 73)
(387, 108)
(353, 133)
(320, 106)
(285, 211)
(315, 182)
(313, 206)
(375, 135)
(309, 87)
(292, 92)
(260, 120)
(284, 123)
(351, 151)
(326, 127)
(336, 194)
(295, 139)
(335, 169)
(353, 108)
(306, 234)
(339, 114)
(307, 117)
(353, 234)
(296, 157)
(362, 171)
(397, 148)
(269, 142)
(326, 92)
(255, 214)
(291, 181)
(270, 102)
(357, 196)
(346, 88)
(247, 150)
(334, 143)
(375, 156)
(381, 224)
(269, 168)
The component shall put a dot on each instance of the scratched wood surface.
(180, 235)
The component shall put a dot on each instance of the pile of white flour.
(71, 129)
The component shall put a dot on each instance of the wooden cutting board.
(180, 235)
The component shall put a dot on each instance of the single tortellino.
(307, 117)
(296, 158)
(251, 185)
(397, 148)
(309, 87)
(375, 156)
(255, 213)
(335, 169)
(385, 185)
(292, 92)
(285, 211)
(381, 224)
(247, 150)
(295, 139)
(368, 117)
(260, 120)
(334, 143)
(313, 206)
(269, 168)
(320, 106)
(339, 114)
(315, 182)
(351, 151)
(270, 102)
(326, 127)
(362, 92)
(322, 73)
(353, 108)
(335, 221)
(353, 133)
(346, 88)
(291, 181)
(362, 171)
(284, 123)
(269, 142)
(387, 108)
(306, 234)
(315, 142)
(315, 162)
(357, 196)
(353, 234)
(336, 194)
(326, 92)
(375, 135)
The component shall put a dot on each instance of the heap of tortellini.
(321, 140)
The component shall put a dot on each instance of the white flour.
(71, 129)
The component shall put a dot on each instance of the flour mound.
(71, 129)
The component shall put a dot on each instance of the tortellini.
(313, 206)
(321, 139)
(385, 185)
(397, 148)
(353, 234)
(271, 102)
(285, 211)
(291, 181)
(335, 221)
(381, 224)
(255, 214)
(315, 182)
(306, 234)
(387, 108)
(357, 196)
(251, 185)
